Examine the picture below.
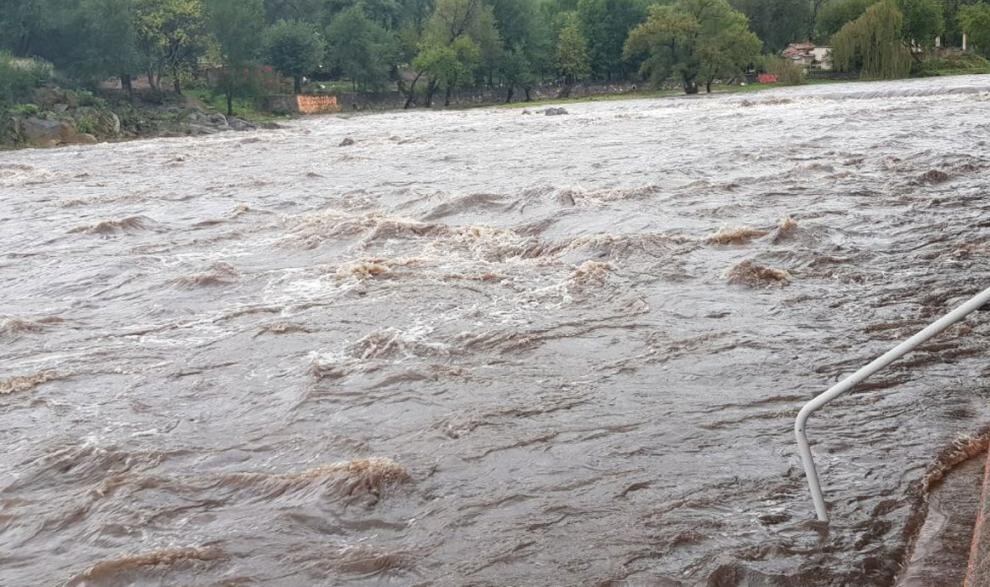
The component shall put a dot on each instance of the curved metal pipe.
(934, 329)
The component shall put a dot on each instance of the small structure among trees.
(809, 56)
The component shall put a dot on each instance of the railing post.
(934, 329)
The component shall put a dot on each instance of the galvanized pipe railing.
(856, 378)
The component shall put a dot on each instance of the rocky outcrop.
(39, 132)
(88, 125)
(201, 123)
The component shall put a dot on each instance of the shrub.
(952, 64)
(24, 109)
(88, 124)
(19, 78)
(787, 72)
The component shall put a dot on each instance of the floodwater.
(491, 348)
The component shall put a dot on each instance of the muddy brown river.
(493, 348)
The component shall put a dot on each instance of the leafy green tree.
(837, 13)
(295, 49)
(923, 21)
(572, 52)
(777, 22)
(361, 48)
(106, 45)
(461, 31)
(516, 71)
(951, 11)
(171, 35)
(605, 25)
(236, 26)
(974, 20)
(387, 14)
(301, 10)
(449, 66)
(874, 44)
(693, 40)
(23, 23)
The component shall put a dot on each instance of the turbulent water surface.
(492, 348)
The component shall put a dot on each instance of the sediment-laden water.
(492, 348)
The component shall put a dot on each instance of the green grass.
(243, 108)
(952, 64)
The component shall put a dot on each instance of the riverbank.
(59, 117)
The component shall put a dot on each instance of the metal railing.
(856, 378)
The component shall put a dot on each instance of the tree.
(693, 40)
(361, 48)
(951, 11)
(837, 13)
(172, 37)
(449, 66)
(777, 22)
(516, 71)
(527, 43)
(974, 20)
(294, 49)
(458, 37)
(605, 25)
(301, 10)
(236, 26)
(873, 43)
(105, 44)
(572, 52)
(923, 21)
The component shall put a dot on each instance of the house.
(809, 55)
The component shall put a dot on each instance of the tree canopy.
(294, 48)
(874, 43)
(361, 48)
(974, 20)
(777, 22)
(694, 40)
(423, 46)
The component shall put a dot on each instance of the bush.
(788, 73)
(87, 98)
(952, 64)
(19, 78)
(88, 124)
(24, 110)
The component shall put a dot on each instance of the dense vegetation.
(430, 48)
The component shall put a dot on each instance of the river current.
(493, 347)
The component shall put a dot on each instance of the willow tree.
(874, 44)
(693, 40)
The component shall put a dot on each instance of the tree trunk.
(411, 96)
(297, 84)
(528, 99)
(126, 85)
(446, 97)
(508, 97)
(430, 90)
(176, 82)
(690, 86)
(230, 102)
(708, 87)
